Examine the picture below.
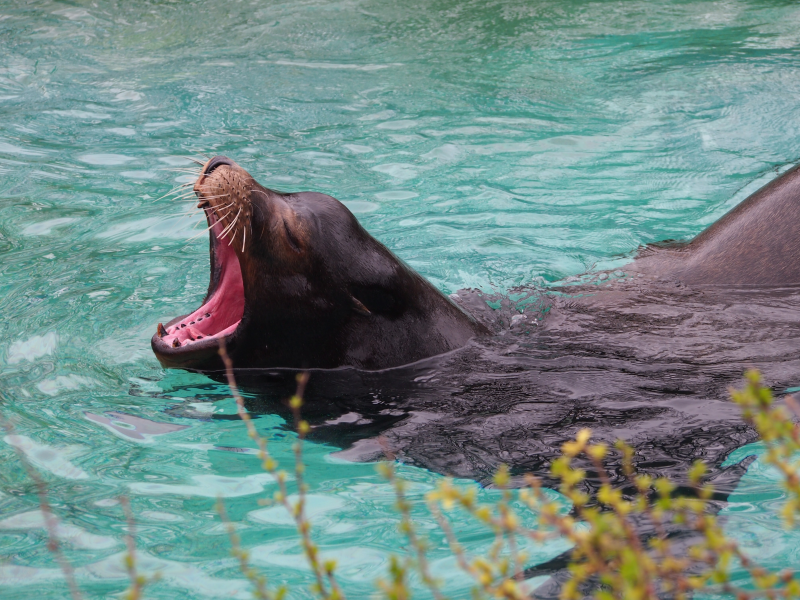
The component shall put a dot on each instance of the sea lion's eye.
(375, 299)
(290, 236)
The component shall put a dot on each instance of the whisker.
(191, 210)
(179, 187)
(194, 237)
(173, 191)
(198, 223)
(244, 237)
(229, 227)
(223, 217)
(226, 231)
(194, 160)
(233, 237)
(181, 214)
(221, 208)
(194, 224)
(216, 209)
(234, 223)
(192, 201)
(186, 174)
(184, 195)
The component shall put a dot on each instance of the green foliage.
(778, 431)
(610, 559)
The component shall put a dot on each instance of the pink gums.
(221, 314)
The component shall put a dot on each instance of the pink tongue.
(194, 333)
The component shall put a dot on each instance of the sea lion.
(636, 358)
(756, 243)
(297, 282)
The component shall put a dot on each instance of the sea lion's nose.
(217, 161)
(208, 168)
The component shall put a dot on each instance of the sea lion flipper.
(755, 243)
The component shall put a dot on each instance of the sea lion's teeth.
(176, 343)
(161, 331)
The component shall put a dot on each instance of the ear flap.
(358, 306)
(373, 300)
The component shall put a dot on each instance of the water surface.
(489, 144)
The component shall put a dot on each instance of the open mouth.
(221, 313)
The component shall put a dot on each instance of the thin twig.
(50, 521)
(259, 582)
(137, 582)
(321, 573)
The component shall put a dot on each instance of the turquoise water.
(489, 144)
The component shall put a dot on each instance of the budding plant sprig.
(496, 574)
(259, 582)
(396, 588)
(326, 585)
(508, 524)
(138, 582)
(778, 431)
(610, 559)
(609, 550)
(50, 521)
(611, 553)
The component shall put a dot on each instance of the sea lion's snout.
(215, 162)
(224, 191)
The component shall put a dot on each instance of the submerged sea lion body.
(297, 282)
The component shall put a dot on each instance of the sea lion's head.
(297, 282)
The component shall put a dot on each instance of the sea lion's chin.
(195, 338)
